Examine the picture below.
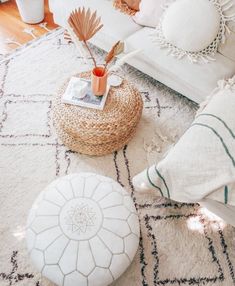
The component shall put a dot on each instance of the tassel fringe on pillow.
(223, 84)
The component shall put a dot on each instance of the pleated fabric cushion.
(129, 7)
(133, 4)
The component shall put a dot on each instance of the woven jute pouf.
(99, 132)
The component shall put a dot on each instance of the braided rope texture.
(99, 132)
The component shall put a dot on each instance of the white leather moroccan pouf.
(83, 230)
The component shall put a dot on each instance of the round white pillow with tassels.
(191, 25)
(194, 28)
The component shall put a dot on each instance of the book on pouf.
(78, 92)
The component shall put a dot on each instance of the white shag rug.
(180, 244)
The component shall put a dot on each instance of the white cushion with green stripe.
(201, 166)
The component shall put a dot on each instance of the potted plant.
(31, 11)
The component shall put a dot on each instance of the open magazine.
(79, 93)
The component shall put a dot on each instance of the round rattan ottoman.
(99, 132)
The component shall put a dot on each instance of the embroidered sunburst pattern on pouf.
(80, 218)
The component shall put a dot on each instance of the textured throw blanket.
(201, 166)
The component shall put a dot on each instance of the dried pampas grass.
(117, 49)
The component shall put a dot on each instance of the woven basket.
(99, 132)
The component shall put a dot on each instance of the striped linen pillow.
(201, 166)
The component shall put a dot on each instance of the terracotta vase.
(99, 78)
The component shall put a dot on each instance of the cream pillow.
(201, 165)
(150, 13)
(194, 28)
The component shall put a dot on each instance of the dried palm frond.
(116, 50)
(85, 25)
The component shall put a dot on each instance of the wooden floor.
(11, 26)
